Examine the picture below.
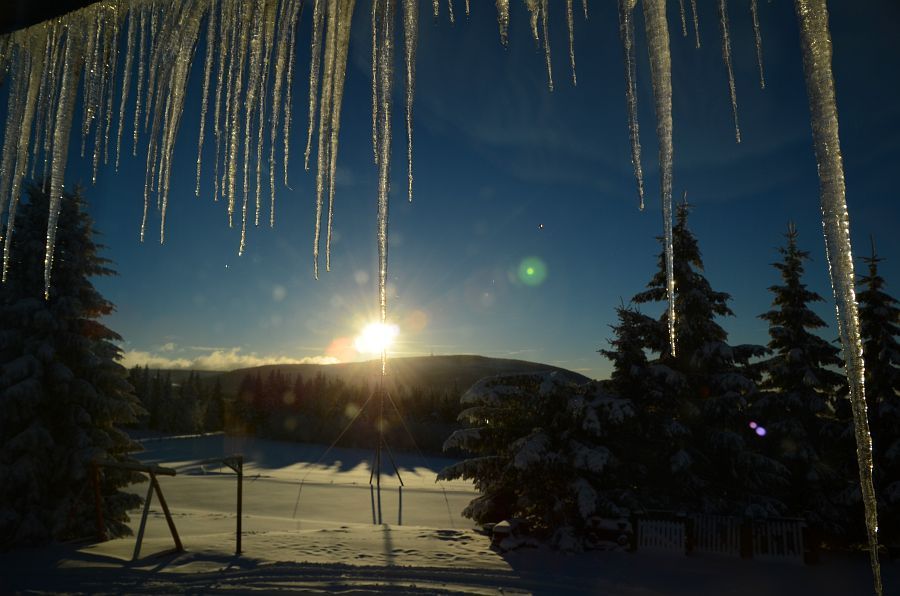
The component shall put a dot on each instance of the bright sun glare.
(375, 338)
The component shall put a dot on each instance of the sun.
(375, 338)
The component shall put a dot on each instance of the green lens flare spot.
(532, 271)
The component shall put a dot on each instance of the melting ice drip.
(249, 60)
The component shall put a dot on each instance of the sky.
(507, 171)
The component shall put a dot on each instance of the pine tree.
(879, 315)
(656, 428)
(63, 394)
(800, 387)
(716, 468)
(545, 450)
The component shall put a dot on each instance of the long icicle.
(657, 29)
(503, 21)
(545, 27)
(757, 36)
(345, 19)
(696, 17)
(62, 125)
(288, 101)
(142, 59)
(126, 80)
(314, 65)
(570, 21)
(324, 125)
(683, 18)
(411, 41)
(254, 64)
(36, 67)
(815, 41)
(268, 43)
(726, 58)
(385, 77)
(626, 32)
(211, 38)
(375, 104)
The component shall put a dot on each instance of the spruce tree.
(715, 467)
(879, 315)
(63, 394)
(800, 388)
(545, 450)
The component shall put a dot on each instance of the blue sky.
(505, 170)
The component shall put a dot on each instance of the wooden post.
(162, 502)
(140, 536)
(240, 500)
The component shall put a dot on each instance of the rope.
(327, 451)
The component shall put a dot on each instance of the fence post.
(240, 500)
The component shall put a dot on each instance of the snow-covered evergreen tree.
(63, 394)
(879, 315)
(800, 386)
(656, 432)
(545, 450)
(716, 468)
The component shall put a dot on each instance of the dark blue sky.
(498, 156)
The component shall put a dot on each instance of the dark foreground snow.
(331, 546)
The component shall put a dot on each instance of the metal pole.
(165, 508)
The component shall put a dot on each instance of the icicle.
(268, 43)
(503, 21)
(757, 34)
(467, 8)
(322, 166)
(52, 96)
(815, 41)
(570, 18)
(726, 58)
(140, 77)
(44, 93)
(207, 71)
(683, 18)
(584, 7)
(696, 16)
(375, 79)
(288, 101)
(661, 76)
(546, 32)
(89, 89)
(450, 12)
(35, 69)
(238, 82)
(345, 18)
(626, 32)
(227, 34)
(287, 22)
(126, 81)
(250, 99)
(62, 125)
(113, 45)
(314, 61)
(411, 38)
(436, 5)
(385, 79)
(534, 9)
(19, 88)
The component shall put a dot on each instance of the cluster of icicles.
(247, 70)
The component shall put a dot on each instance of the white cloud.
(217, 359)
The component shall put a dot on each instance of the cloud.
(217, 359)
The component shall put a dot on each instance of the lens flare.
(532, 271)
(753, 425)
(375, 338)
(760, 431)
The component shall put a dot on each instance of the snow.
(332, 546)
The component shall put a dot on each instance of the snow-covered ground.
(330, 545)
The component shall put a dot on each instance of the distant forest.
(292, 407)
